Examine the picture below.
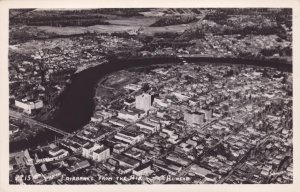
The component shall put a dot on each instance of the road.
(184, 171)
(17, 115)
(243, 160)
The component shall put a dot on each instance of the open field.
(64, 30)
(132, 21)
(111, 29)
(119, 79)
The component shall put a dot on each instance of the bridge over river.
(31, 121)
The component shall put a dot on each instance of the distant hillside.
(16, 12)
(67, 17)
(224, 24)
(183, 11)
(58, 18)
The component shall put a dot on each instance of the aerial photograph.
(150, 96)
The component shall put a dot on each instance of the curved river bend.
(77, 101)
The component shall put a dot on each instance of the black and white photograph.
(146, 96)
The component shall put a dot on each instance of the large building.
(193, 118)
(97, 152)
(148, 125)
(129, 116)
(101, 154)
(29, 106)
(129, 137)
(143, 101)
(124, 160)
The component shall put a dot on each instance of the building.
(143, 170)
(57, 152)
(149, 125)
(52, 175)
(169, 168)
(78, 166)
(122, 170)
(93, 134)
(161, 102)
(87, 151)
(208, 113)
(28, 159)
(173, 158)
(129, 137)
(200, 170)
(128, 116)
(133, 153)
(133, 87)
(29, 106)
(60, 154)
(44, 168)
(101, 115)
(97, 152)
(192, 118)
(118, 122)
(181, 96)
(168, 131)
(101, 154)
(143, 102)
(207, 174)
(109, 166)
(34, 174)
(126, 161)
(20, 160)
(191, 142)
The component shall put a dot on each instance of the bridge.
(18, 115)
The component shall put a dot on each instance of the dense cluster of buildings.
(41, 74)
(233, 46)
(173, 123)
(207, 123)
(38, 76)
(236, 46)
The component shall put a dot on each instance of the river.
(76, 104)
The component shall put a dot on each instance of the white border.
(4, 154)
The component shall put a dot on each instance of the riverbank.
(76, 104)
(77, 100)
